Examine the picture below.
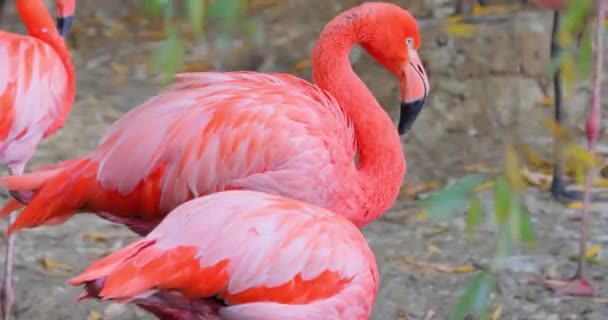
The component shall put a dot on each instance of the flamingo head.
(65, 15)
(393, 40)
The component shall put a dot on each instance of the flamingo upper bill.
(276, 133)
(415, 88)
(264, 256)
(37, 89)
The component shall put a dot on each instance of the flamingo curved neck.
(381, 161)
(39, 23)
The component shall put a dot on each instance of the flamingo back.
(33, 82)
(266, 256)
(214, 131)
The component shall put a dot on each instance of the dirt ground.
(485, 91)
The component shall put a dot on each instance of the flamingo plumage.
(243, 254)
(276, 133)
(37, 88)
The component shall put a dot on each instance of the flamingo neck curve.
(382, 163)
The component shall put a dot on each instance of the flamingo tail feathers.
(54, 194)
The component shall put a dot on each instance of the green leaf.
(575, 15)
(502, 200)
(154, 7)
(446, 202)
(226, 12)
(585, 56)
(169, 58)
(556, 62)
(513, 169)
(196, 14)
(526, 227)
(476, 297)
(474, 214)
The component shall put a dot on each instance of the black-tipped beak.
(64, 24)
(1, 7)
(409, 113)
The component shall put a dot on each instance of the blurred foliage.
(575, 40)
(511, 219)
(227, 15)
(510, 215)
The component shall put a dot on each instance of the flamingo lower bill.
(409, 113)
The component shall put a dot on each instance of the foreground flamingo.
(274, 133)
(243, 255)
(37, 87)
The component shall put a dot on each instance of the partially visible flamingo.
(276, 133)
(243, 255)
(558, 186)
(37, 88)
(1, 9)
(579, 284)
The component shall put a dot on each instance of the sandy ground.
(466, 123)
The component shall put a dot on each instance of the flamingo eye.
(409, 42)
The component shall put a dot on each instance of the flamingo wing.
(217, 131)
(33, 84)
(264, 255)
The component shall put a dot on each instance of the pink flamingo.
(243, 255)
(578, 284)
(37, 88)
(276, 133)
(558, 186)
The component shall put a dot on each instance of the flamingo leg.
(579, 284)
(592, 128)
(558, 186)
(7, 295)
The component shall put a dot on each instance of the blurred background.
(490, 87)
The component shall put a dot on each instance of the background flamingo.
(558, 186)
(37, 87)
(243, 255)
(244, 130)
(579, 284)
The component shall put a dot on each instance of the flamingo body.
(210, 132)
(34, 84)
(553, 5)
(265, 256)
